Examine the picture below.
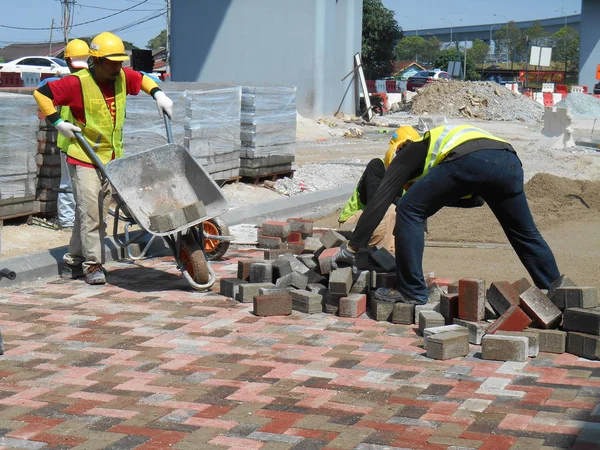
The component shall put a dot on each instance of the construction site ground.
(145, 362)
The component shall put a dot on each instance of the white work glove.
(164, 103)
(344, 256)
(67, 129)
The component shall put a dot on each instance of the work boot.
(72, 272)
(391, 295)
(95, 274)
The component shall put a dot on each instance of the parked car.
(420, 79)
(597, 89)
(36, 64)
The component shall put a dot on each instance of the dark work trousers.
(370, 180)
(495, 175)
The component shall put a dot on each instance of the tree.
(410, 48)
(508, 40)
(566, 47)
(158, 41)
(431, 51)
(537, 34)
(380, 35)
(478, 52)
(445, 56)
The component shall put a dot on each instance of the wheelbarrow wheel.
(193, 259)
(214, 248)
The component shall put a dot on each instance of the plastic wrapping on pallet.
(19, 125)
(268, 117)
(145, 129)
(258, 152)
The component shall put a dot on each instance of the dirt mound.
(551, 195)
(481, 100)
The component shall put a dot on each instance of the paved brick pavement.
(144, 362)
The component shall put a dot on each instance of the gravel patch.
(581, 105)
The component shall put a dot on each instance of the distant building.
(403, 70)
(14, 51)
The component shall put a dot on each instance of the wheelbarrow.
(168, 194)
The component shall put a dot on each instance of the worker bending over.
(449, 163)
(96, 98)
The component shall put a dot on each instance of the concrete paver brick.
(476, 330)
(280, 268)
(261, 272)
(427, 332)
(532, 336)
(562, 281)
(551, 341)
(306, 301)
(540, 308)
(385, 279)
(576, 297)
(381, 311)
(270, 242)
(434, 293)
(273, 254)
(513, 319)
(309, 261)
(582, 320)
(361, 282)
(294, 237)
(504, 348)
(304, 226)
(448, 345)
(229, 287)
(313, 245)
(430, 319)
(490, 312)
(276, 229)
(331, 239)
(248, 291)
(297, 265)
(295, 279)
(502, 295)
(384, 259)
(583, 345)
(449, 307)
(354, 305)
(331, 302)
(243, 270)
(340, 280)
(273, 305)
(296, 247)
(325, 259)
(403, 313)
(471, 299)
(521, 285)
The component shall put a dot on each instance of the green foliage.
(566, 47)
(445, 56)
(416, 48)
(537, 35)
(478, 52)
(158, 41)
(380, 35)
(508, 40)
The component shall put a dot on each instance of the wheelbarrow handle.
(89, 151)
(168, 128)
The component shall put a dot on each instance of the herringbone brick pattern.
(144, 362)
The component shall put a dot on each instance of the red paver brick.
(513, 319)
(471, 299)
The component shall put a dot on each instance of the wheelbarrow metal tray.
(164, 179)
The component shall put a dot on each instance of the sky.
(137, 25)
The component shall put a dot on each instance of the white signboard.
(454, 68)
(540, 56)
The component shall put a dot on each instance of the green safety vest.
(442, 141)
(62, 142)
(102, 133)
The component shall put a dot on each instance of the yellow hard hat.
(77, 49)
(400, 136)
(109, 46)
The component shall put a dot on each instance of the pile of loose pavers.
(510, 321)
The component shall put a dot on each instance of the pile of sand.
(480, 100)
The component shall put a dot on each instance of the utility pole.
(67, 18)
(168, 49)
(50, 45)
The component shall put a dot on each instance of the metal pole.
(465, 71)
(50, 44)
(168, 49)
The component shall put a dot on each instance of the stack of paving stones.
(20, 158)
(268, 130)
(509, 321)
